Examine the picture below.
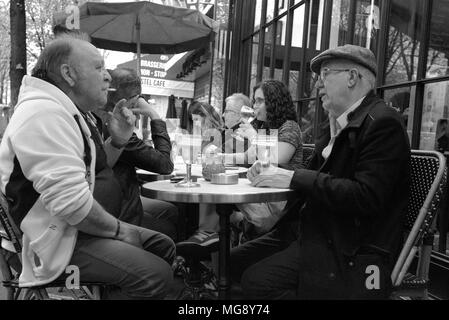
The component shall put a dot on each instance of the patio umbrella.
(143, 27)
(171, 110)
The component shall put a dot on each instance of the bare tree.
(5, 51)
(18, 46)
(39, 16)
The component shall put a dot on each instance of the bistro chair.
(10, 268)
(307, 153)
(428, 181)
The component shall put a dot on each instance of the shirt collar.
(342, 120)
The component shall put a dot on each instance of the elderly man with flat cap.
(351, 199)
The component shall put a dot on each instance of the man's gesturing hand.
(121, 123)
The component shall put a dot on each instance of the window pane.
(313, 45)
(219, 69)
(296, 51)
(339, 24)
(283, 6)
(298, 27)
(280, 47)
(293, 84)
(254, 62)
(315, 24)
(367, 24)
(257, 15)
(403, 45)
(437, 61)
(270, 10)
(402, 99)
(306, 113)
(266, 55)
(435, 117)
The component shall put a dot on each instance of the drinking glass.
(265, 148)
(247, 115)
(190, 149)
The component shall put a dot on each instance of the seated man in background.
(149, 213)
(51, 160)
(355, 193)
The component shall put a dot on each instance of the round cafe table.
(180, 170)
(223, 196)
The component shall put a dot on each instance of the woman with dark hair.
(274, 111)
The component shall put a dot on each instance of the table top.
(242, 192)
(180, 170)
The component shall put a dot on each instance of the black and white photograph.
(224, 158)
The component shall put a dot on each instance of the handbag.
(263, 215)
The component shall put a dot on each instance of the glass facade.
(409, 38)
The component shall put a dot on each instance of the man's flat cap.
(359, 55)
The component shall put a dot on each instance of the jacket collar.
(356, 118)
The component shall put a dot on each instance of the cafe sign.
(164, 87)
(156, 78)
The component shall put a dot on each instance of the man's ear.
(68, 74)
(353, 78)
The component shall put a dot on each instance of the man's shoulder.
(380, 110)
(38, 109)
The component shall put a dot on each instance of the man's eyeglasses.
(325, 71)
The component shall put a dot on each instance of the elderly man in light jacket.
(48, 160)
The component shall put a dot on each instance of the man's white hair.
(367, 77)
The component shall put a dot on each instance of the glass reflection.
(367, 24)
(435, 117)
(403, 45)
(438, 54)
(402, 100)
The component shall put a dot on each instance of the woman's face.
(197, 117)
(259, 105)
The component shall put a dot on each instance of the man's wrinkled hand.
(271, 177)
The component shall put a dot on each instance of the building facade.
(278, 38)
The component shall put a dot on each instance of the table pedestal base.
(224, 211)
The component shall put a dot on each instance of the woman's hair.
(278, 102)
(206, 111)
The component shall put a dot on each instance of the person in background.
(208, 123)
(231, 115)
(232, 120)
(149, 213)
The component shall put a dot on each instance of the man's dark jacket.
(137, 154)
(355, 204)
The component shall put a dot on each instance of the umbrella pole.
(138, 46)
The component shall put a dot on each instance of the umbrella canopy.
(143, 27)
(171, 110)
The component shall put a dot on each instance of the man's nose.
(107, 76)
(319, 83)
